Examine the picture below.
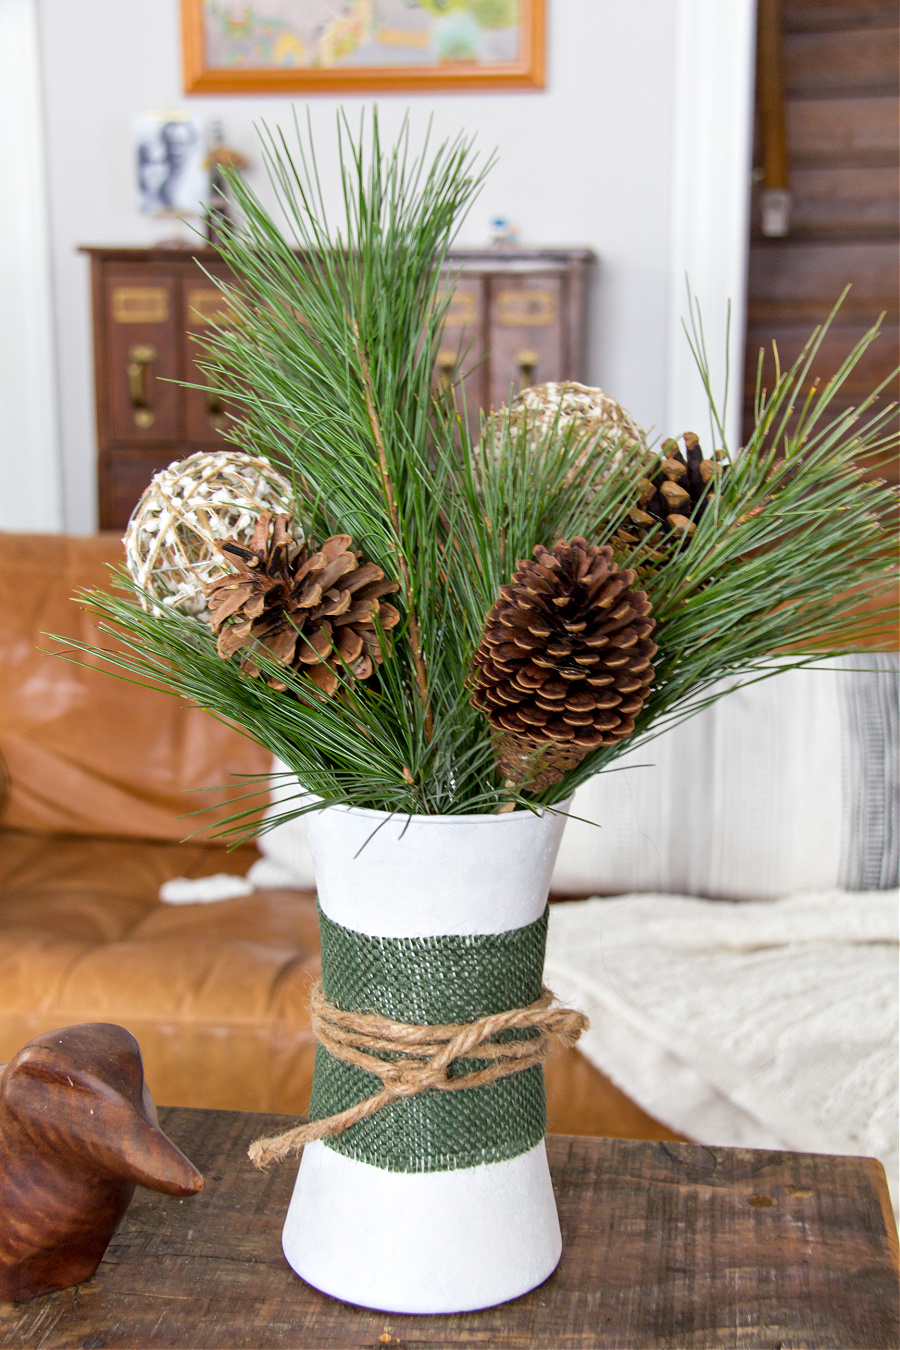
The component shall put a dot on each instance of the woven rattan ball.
(544, 408)
(567, 403)
(171, 543)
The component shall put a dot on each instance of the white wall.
(710, 213)
(30, 479)
(585, 161)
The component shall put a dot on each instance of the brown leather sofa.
(102, 779)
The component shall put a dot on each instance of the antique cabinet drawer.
(525, 333)
(124, 474)
(142, 324)
(463, 345)
(204, 308)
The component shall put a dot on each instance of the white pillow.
(786, 785)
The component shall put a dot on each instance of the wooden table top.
(667, 1246)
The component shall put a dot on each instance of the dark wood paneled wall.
(841, 79)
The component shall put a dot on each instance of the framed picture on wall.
(324, 46)
(170, 153)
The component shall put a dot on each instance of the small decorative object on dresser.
(171, 174)
(221, 156)
(172, 178)
(436, 739)
(78, 1132)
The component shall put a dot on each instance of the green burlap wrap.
(431, 981)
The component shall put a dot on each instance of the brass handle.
(139, 358)
(446, 362)
(217, 414)
(527, 361)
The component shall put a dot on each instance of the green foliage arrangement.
(330, 366)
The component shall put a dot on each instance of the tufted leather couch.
(100, 776)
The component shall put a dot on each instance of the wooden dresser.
(518, 315)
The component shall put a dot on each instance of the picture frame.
(321, 46)
(171, 164)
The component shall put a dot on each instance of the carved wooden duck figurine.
(78, 1131)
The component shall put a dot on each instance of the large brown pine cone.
(565, 661)
(313, 612)
(675, 491)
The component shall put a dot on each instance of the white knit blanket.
(760, 1024)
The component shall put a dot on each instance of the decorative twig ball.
(563, 407)
(173, 539)
(568, 403)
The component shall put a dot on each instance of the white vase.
(427, 1241)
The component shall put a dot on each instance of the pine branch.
(415, 638)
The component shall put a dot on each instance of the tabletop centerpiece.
(442, 636)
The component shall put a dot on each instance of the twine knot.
(421, 1058)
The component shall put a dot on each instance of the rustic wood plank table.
(667, 1246)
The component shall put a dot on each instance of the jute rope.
(426, 1055)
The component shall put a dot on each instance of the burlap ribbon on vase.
(411, 1059)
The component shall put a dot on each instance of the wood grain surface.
(857, 60)
(840, 63)
(802, 16)
(666, 1245)
(843, 131)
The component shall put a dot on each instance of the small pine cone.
(312, 612)
(670, 495)
(564, 665)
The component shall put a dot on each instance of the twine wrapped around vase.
(410, 1059)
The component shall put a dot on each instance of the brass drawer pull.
(446, 361)
(218, 417)
(527, 361)
(139, 358)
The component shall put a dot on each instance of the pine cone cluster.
(669, 497)
(564, 664)
(313, 612)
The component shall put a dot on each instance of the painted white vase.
(432, 1241)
